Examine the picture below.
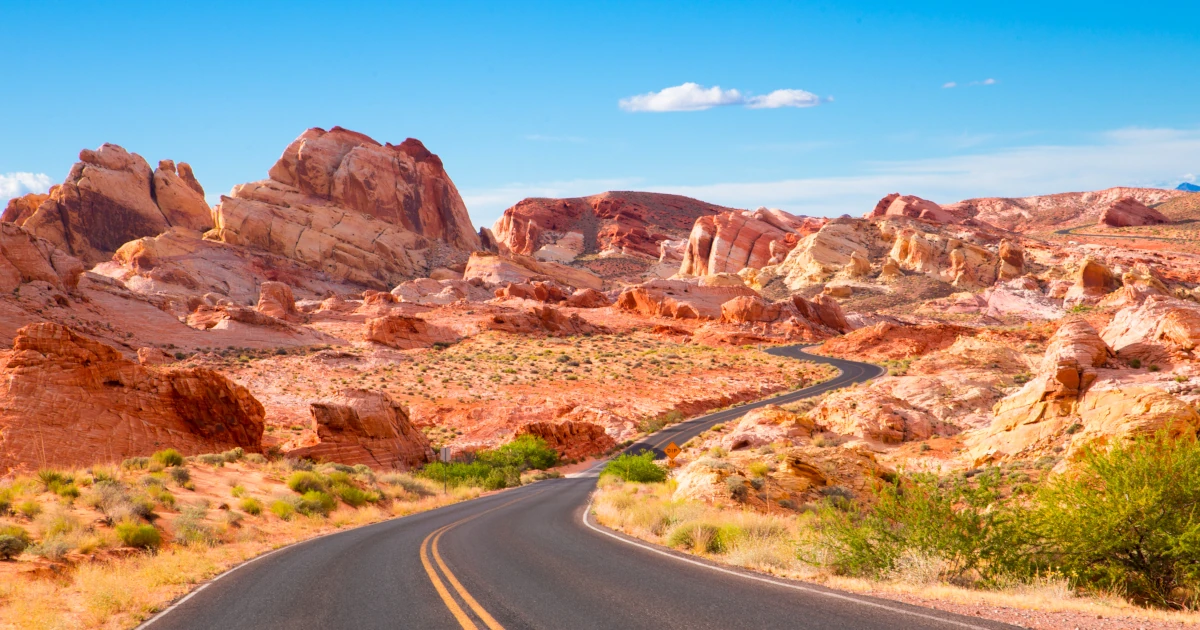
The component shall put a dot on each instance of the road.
(530, 557)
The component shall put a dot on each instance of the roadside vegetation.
(1120, 524)
(495, 469)
(110, 546)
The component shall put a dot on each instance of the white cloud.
(784, 98)
(693, 97)
(689, 97)
(1127, 157)
(988, 82)
(17, 184)
(954, 84)
(949, 84)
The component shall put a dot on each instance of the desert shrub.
(759, 469)
(353, 495)
(161, 495)
(332, 467)
(283, 509)
(191, 528)
(1126, 519)
(238, 491)
(29, 509)
(66, 490)
(316, 503)
(523, 453)
(256, 458)
(168, 457)
(233, 454)
(136, 463)
(304, 481)
(113, 500)
(14, 540)
(697, 536)
(640, 468)
(736, 484)
(53, 549)
(500, 478)
(408, 483)
(962, 521)
(140, 535)
(250, 506)
(51, 479)
(58, 522)
(497, 468)
(216, 460)
(179, 474)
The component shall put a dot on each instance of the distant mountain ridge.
(1186, 187)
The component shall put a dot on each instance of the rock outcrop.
(539, 320)
(1044, 212)
(357, 426)
(1092, 281)
(1129, 212)
(573, 440)
(679, 299)
(501, 269)
(342, 203)
(66, 400)
(588, 298)
(111, 197)
(276, 299)
(732, 241)
(27, 258)
(405, 332)
(896, 205)
(1154, 330)
(615, 222)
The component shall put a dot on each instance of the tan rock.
(1092, 281)
(679, 299)
(358, 426)
(276, 299)
(180, 198)
(495, 269)
(405, 332)
(732, 241)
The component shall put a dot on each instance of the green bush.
(238, 491)
(142, 536)
(960, 521)
(234, 454)
(13, 541)
(1127, 519)
(283, 509)
(136, 463)
(640, 468)
(250, 506)
(316, 503)
(304, 481)
(216, 460)
(497, 468)
(52, 479)
(168, 457)
(523, 453)
(179, 474)
(353, 495)
(191, 528)
(696, 536)
(29, 509)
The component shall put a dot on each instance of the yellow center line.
(460, 615)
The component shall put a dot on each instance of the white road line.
(759, 578)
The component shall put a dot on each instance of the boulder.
(405, 332)
(679, 299)
(1092, 281)
(538, 291)
(1129, 212)
(276, 299)
(68, 401)
(541, 319)
(180, 197)
(588, 298)
(1155, 329)
(357, 426)
(897, 205)
(500, 269)
(27, 258)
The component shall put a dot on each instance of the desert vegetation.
(108, 546)
(1118, 522)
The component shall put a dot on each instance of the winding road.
(531, 557)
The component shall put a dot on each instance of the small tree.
(1129, 518)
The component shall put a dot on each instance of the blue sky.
(525, 99)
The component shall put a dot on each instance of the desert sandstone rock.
(501, 269)
(1129, 212)
(572, 439)
(679, 299)
(27, 258)
(1092, 281)
(66, 400)
(358, 426)
(342, 203)
(109, 198)
(732, 241)
(276, 299)
(405, 332)
(896, 205)
(1152, 330)
(616, 222)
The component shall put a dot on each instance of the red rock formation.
(630, 222)
(539, 291)
(26, 258)
(732, 241)
(357, 426)
(1051, 211)
(341, 202)
(588, 298)
(109, 198)
(66, 400)
(1093, 281)
(20, 208)
(895, 205)
(571, 439)
(276, 299)
(886, 340)
(405, 332)
(495, 269)
(1129, 212)
(679, 299)
(542, 319)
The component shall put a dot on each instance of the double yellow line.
(429, 548)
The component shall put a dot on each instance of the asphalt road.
(530, 558)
